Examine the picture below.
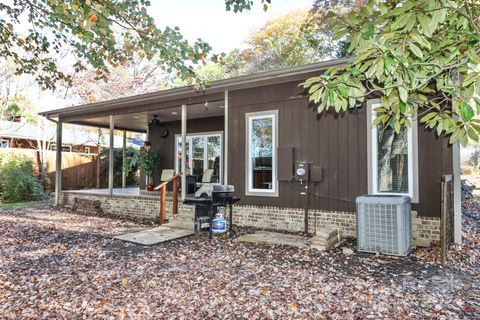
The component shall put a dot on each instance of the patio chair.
(206, 177)
(167, 174)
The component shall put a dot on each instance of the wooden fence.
(79, 170)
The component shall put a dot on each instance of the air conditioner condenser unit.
(384, 224)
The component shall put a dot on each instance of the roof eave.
(215, 87)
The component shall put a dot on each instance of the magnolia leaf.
(466, 111)
(403, 93)
(388, 62)
(416, 50)
(472, 134)
(397, 127)
(424, 21)
(421, 41)
(428, 117)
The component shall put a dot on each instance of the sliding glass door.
(204, 156)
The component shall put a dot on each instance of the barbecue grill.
(208, 199)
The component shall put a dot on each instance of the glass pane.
(392, 157)
(198, 149)
(261, 146)
(214, 153)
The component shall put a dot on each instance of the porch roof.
(168, 101)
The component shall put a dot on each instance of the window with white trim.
(261, 166)
(65, 148)
(392, 158)
(204, 152)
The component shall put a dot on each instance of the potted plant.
(149, 161)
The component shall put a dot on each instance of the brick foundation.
(147, 208)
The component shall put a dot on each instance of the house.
(252, 129)
(21, 134)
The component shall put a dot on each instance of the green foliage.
(99, 35)
(131, 160)
(118, 167)
(244, 5)
(17, 180)
(25, 204)
(422, 57)
(149, 161)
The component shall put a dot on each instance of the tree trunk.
(42, 146)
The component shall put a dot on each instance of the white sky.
(206, 19)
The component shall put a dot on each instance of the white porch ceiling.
(139, 121)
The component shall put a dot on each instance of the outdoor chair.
(167, 174)
(206, 177)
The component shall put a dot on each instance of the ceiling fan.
(155, 123)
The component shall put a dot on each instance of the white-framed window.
(87, 150)
(261, 153)
(393, 158)
(65, 148)
(4, 143)
(203, 152)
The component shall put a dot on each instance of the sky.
(206, 19)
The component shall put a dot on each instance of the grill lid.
(207, 189)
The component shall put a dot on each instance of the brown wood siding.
(337, 143)
(166, 146)
(434, 160)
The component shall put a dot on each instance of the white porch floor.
(117, 192)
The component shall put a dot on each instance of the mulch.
(55, 264)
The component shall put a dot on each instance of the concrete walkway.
(157, 235)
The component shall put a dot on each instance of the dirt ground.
(58, 265)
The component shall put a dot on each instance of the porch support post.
(124, 151)
(184, 151)
(110, 157)
(457, 195)
(58, 164)
(225, 140)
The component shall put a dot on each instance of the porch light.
(147, 145)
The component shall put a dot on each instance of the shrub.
(17, 179)
(132, 166)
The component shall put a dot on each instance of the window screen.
(392, 160)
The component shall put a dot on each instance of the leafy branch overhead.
(421, 57)
(89, 34)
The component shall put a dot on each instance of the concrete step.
(266, 237)
(326, 233)
(421, 242)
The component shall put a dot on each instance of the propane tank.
(219, 225)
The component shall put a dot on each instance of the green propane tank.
(219, 225)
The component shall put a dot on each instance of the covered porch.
(189, 131)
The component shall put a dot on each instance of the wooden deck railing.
(163, 196)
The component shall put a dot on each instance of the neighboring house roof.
(70, 135)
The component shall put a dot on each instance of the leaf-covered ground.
(55, 264)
